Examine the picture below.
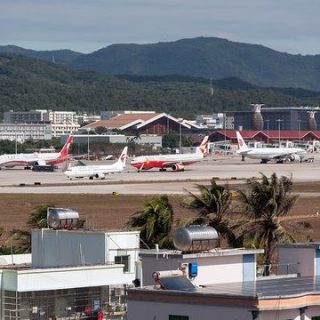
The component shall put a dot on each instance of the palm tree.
(155, 222)
(213, 203)
(37, 220)
(267, 203)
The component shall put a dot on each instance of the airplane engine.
(100, 176)
(177, 167)
(295, 157)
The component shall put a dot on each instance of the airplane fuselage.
(165, 161)
(272, 153)
(91, 171)
(25, 159)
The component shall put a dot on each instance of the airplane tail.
(241, 144)
(123, 158)
(64, 153)
(203, 146)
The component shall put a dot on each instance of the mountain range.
(28, 83)
(209, 58)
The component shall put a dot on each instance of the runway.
(153, 181)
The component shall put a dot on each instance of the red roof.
(271, 134)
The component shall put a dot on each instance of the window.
(122, 260)
(175, 317)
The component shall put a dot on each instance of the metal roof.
(266, 288)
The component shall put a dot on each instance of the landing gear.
(27, 168)
(243, 158)
(264, 161)
(162, 169)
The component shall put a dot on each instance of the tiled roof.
(121, 120)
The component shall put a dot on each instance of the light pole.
(88, 130)
(225, 133)
(180, 140)
(267, 121)
(279, 127)
(16, 142)
(299, 125)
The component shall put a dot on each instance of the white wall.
(160, 311)
(15, 259)
(123, 243)
(304, 256)
(218, 269)
(144, 310)
(64, 278)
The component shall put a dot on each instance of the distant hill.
(197, 58)
(57, 56)
(27, 83)
(205, 58)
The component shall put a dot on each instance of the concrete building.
(62, 122)
(21, 132)
(271, 118)
(291, 291)
(22, 117)
(69, 275)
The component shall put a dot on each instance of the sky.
(291, 26)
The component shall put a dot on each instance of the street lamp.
(180, 140)
(279, 126)
(88, 130)
(299, 125)
(225, 133)
(267, 121)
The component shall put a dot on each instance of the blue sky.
(285, 25)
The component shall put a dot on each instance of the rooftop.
(272, 294)
(172, 254)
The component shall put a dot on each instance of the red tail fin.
(65, 149)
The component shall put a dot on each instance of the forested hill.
(58, 56)
(30, 83)
(207, 57)
(198, 57)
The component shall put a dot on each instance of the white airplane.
(36, 158)
(98, 171)
(279, 154)
(176, 162)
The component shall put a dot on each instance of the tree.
(155, 222)
(266, 204)
(213, 204)
(37, 220)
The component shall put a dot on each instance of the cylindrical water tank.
(195, 238)
(62, 218)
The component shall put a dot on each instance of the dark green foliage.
(34, 84)
(57, 56)
(7, 146)
(37, 220)
(155, 222)
(205, 58)
(266, 203)
(213, 204)
(170, 140)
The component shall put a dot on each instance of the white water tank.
(62, 218)
(195, 238)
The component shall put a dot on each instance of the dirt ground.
(109, 212)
